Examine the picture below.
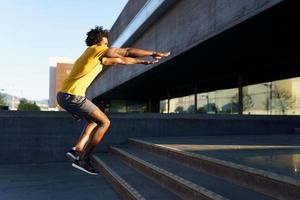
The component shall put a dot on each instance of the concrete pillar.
(168, 97)
(196, 92)
(149, 105)
(240, 87)
(153, 105)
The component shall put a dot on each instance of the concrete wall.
(184, 25)
(37, 137)
(128, 13)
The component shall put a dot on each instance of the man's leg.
(134, 52)
(78, 147)
(85, 135)
(97, 134)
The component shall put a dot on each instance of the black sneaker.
(72, 155)
(85, 166)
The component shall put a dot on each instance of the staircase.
(144, 170)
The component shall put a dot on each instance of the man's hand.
(160, 55)
(146, 62)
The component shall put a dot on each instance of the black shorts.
(78, 106)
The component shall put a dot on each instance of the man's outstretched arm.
(134, 52)
(126, 61)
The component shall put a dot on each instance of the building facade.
(238, 57)
(57, 76)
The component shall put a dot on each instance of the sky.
(32, 32)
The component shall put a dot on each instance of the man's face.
(104, 41)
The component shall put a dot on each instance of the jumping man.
(72, 98)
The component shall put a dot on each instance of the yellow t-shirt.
(84, 70)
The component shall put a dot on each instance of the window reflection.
(281, 97)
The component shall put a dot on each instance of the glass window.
(118, 106)
(136, 106)
(257, 98)
(220, 101)
(286, 97)
(226, 101)
(274, 98)
(164, 106)
(206, 103)
(281, 97)
(182, 104)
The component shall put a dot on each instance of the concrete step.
(183, 188)
(128, 182)
(268, 183)
(212, 183)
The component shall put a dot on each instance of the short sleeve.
(100, 51)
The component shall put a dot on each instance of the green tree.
(201, 110)
(179, 109)
(2, 101)
(284, 100)
(26, 105)
(191, 109)
(247, 102)
(212, 108)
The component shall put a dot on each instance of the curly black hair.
(94, 36)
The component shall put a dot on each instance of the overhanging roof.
(263, 48)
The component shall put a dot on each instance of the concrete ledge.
(10, 113)
(46, 136)
(36, 137)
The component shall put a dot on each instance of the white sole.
(82, 169)
(71, 157)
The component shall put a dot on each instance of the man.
(72, 98)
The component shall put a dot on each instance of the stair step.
(178, 185)
(218, 185)
(120, 185)
(262, 181)
(140, 185)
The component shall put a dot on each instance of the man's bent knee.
(100, 118)
(104, 123)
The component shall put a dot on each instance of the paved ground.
(275, 153)
(55, 181)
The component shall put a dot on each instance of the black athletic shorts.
(78, 106)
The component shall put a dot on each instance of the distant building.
(52, 85)
(58, 71)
